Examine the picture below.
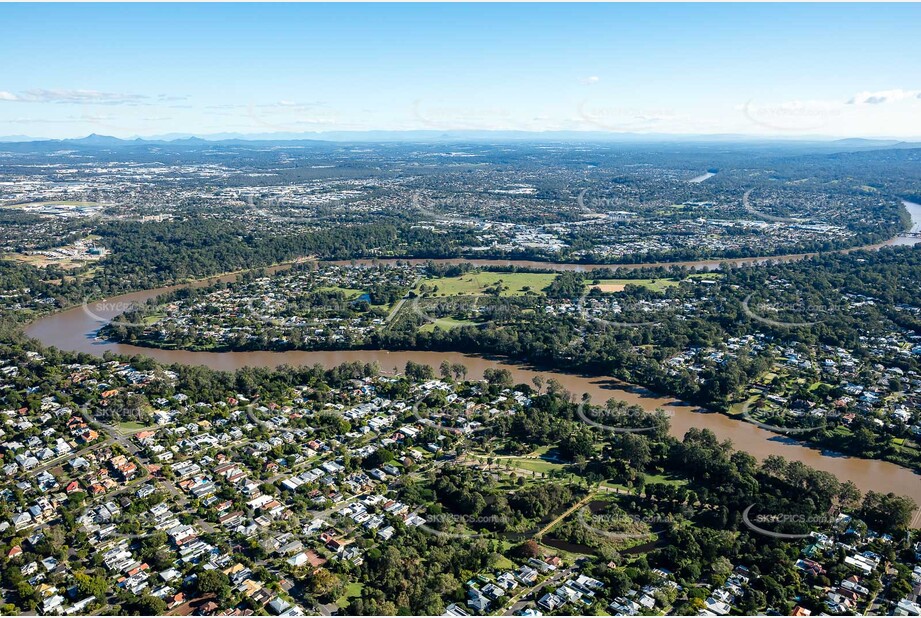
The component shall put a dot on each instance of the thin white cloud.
(284, 105)
(791, 116)
(792, 108)
(35, 121)
(41, 95)
(597, 115)
(171, 97)
(291, 105)
(313, 121)
(591, 79)
(883, 96)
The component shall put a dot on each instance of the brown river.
(75, 330)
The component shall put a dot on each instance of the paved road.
(399, 304)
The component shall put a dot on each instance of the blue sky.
(783, 69)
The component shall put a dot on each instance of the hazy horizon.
(814, 71)
(385, 135)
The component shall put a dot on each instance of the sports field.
(518, 284)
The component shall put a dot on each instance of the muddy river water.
(75, 330)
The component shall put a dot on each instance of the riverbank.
(76, 330)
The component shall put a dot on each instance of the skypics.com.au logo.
(767, 524)
(623, 526)
(104, 311)
(455, 526)
(619, 418)
(794, 116)
(795, 314)
(623, 119)
(817, 418)
(477, 310)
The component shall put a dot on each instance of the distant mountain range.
(430, 136)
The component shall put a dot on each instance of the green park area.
(477, 283)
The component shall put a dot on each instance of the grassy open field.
(445, 324)
(666, 479)
(504, 563)
(348, 292)
(476, 283)
(352, 590)
(70, 263)
(617, 285)
(132, 427)
(649, 478)
(536, 465)
(40, 261)
(518, 284)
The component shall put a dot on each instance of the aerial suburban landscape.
(453, 367)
